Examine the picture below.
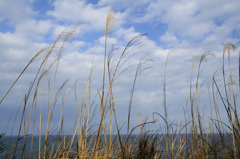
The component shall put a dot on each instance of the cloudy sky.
(185, 28)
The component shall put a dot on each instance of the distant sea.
(10, 143)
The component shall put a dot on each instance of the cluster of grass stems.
(197, 138)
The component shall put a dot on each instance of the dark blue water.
(32, 145)
(32, 142)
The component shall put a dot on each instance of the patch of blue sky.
(42, 6)
(154, 31)
(6, 27)
(91, 37)
(218, 21)
(92, 2)
(236, 34)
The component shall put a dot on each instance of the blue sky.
(183, 27)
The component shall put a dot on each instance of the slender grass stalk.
(230, 111)
(165, 104)
(66, 37)
(109, 24)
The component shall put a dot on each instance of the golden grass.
(192, 139)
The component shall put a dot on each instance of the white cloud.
(126, 34)
(10, 39)
(119, 4)
(82, 13)
(169, 39)
(58, 29)
(194, 20)
(33, 29)
(15, 11)
(110, 40)
(76, 65)
(193, 27)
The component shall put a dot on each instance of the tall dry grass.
(193, 139)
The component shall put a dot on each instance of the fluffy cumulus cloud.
(191, 29)
(82, 12)
(37, 28)
(189, 20)
(14, 11)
